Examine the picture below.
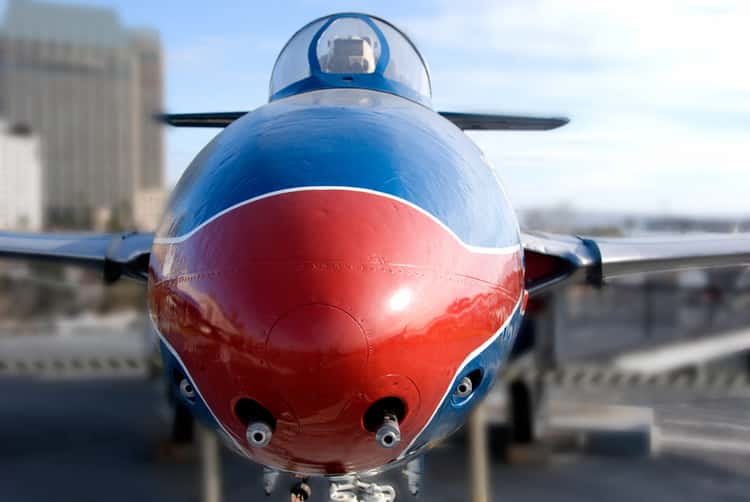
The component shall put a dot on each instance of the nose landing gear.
(356, 490)
(345, 489)
(341, 489)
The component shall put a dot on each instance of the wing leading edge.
(555, 259)
(465, 121)
(116, 255)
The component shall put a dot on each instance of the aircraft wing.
(465, 121)
(115, 255)
(556, 259)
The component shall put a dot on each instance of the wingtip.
(551, 123)
(162, 118)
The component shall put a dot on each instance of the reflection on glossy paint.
(400, 300)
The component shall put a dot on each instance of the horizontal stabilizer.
(465, 121)
(495, 122)
(209, 119)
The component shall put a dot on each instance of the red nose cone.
(317, 351)
(317, 304)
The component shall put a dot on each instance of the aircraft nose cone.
(321, 306)
(318, 356)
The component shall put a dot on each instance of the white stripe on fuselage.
(195, 385)
(472, 355)
(474, 249)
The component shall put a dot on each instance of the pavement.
(103, 440)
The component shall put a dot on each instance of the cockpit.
(351, 51)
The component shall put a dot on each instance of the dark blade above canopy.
(208, 119)
(496, 122)
(556, 259)
(465, 121)
(115, 255)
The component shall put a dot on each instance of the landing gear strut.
(521, 412)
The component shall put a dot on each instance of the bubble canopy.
(355, 51)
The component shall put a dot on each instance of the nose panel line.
(323, 265)
(358, 322)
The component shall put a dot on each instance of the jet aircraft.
(339, 276)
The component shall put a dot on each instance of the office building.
(88, 86)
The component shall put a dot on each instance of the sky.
(658, 91)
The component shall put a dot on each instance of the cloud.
(658, 91)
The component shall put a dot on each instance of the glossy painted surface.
(329, 250)
(317, 303)
(349, 138)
